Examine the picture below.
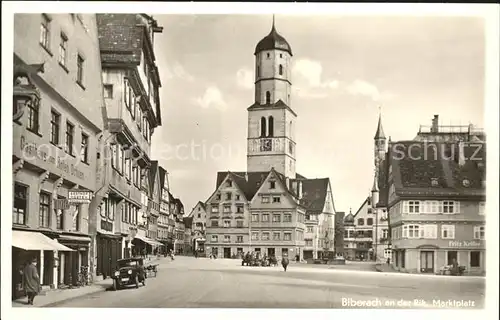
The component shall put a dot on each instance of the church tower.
(379, 143)
(271, 120)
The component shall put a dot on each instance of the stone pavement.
(60, 295)
(203, 283)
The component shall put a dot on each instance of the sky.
(345, 71)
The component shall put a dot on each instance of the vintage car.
(129, 271)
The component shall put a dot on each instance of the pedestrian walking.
(31, 281)
(284, 262)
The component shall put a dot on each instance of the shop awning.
(157, 243)
(74, 238)
(145, 240)
(35, 241)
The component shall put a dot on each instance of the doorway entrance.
(271, 252)
(227, 253)
(452, 255)
(215, 251)
(427, 261)
(284, 252)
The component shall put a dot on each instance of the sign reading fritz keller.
(80, 196)
(465, 244)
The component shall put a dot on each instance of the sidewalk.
(59, 295)
(385, 268)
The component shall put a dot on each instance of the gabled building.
(164, 208)
(436, 200)
(131, 85)
(57, 132)
(198, 228)
(361, 232)
(188, 235)
(266, 207)
(179, 229)
(171, 222)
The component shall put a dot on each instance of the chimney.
(300, 189)
(435, 124)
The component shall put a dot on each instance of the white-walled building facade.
(56, 137)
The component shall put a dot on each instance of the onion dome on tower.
(273, 41)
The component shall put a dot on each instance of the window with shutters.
(428, 231)
(479, 232)
(448, 231)
(411, 231)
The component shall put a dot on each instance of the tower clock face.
(267, 145)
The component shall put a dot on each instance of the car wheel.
(137, 281)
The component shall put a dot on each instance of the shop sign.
(80, 196)
(48, 154)
(465, 244)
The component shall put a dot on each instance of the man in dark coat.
(31, 281)
(285, 261)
